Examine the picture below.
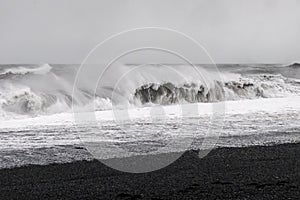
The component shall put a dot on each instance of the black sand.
(226, 173)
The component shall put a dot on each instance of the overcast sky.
(64, 31)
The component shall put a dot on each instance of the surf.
(45, 89)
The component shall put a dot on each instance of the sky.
(232, 31)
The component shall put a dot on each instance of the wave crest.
(251, 87)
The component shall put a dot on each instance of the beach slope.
(258, 172)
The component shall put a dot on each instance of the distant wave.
(43, 69)
(294, 65)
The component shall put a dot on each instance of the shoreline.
(256, 172)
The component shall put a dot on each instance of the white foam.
(269, 105)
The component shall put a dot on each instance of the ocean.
(143, 109)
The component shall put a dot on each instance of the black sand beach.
(226, 173)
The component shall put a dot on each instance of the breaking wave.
(45, 89)
(264, 86)
(43, 69)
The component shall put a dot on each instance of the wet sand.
(259, 172)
